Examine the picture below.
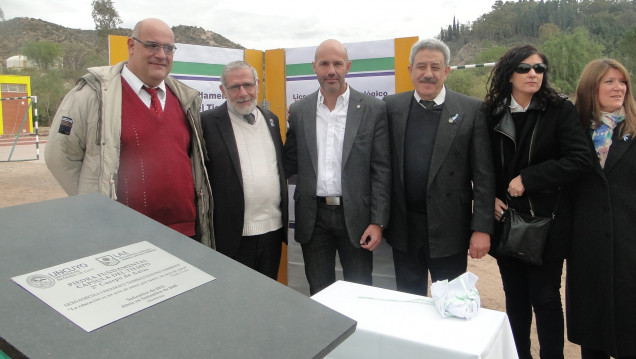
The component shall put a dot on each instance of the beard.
(242, 107)
(330, 87)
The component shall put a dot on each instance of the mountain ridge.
(15, 33)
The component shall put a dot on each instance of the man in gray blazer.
(338, 145)
(442, 195)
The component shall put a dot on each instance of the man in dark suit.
(338, 145)
(442, 193)
(246, 172)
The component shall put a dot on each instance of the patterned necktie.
(155, 105)
(249, 118)
(427, 104)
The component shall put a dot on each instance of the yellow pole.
(275, 95)
(255, 59)
(117, 49)
(402, 53)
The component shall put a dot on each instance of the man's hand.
(479, 245)
(374, 236)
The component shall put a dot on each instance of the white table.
(394, 325)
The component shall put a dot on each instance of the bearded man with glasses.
(245, 165)
(133, 133)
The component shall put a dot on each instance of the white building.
(19, 62)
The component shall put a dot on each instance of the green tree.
(48, 87)
(548, 31)
(497, 4)
(605, 29)
(43, 53)
(78, 57)
(567, 55)
(468, 82)
(460, 81)
(491, 54)
(627, 53)
(105, 16)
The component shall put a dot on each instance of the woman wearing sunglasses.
(539, 148)
(601, 290)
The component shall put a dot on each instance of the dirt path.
(26, 182)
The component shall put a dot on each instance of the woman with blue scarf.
(601, 279)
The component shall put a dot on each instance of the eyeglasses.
(524, 68)
(248, 86)
(154, 47)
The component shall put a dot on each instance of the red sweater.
(155, 173)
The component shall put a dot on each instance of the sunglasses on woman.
(524, 68)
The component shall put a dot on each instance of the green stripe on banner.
(379, 64)
(195, 68)
(299, 69)
(362, 65)
(3, 355)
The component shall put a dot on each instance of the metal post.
(488, 64)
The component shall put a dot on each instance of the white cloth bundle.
(457, 298)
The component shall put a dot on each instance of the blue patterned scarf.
(602, 134)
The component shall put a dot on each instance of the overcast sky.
(271, 24)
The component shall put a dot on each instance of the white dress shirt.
(330, 130)
(516, 107)
(439, 99)
(137, 85)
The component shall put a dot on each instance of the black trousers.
(412, 267)
(262, 252)
(330, 236)
(529, 287)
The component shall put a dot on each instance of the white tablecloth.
(395, 325)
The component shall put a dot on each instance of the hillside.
(510, 23)
(17, 32)
(570, 33)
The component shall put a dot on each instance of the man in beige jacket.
(133, 133)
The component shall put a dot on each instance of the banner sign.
(372, 69)
(200, 67)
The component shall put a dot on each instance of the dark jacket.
(460, 192)
(366, 167)
(558, 156)
(224, 170)
(601, 290)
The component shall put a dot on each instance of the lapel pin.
(452, 119)
(626, 138)
(271, 122)
(358, 106)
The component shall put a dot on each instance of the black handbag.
(524, 235)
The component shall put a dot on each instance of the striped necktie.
(427, 104)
